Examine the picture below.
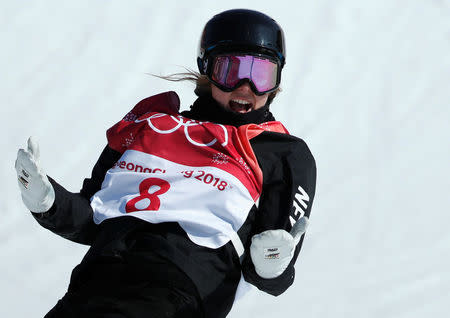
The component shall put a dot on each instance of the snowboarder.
(184, 209)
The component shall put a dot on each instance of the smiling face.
(240, 100)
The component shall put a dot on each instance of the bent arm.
(288, 192)
(71, 215)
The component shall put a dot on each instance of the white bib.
(209, 204)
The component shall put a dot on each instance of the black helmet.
(243, 31)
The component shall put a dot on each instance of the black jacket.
(286, 163)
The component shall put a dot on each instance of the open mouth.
(240, 106)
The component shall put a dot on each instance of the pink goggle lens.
(229, 70)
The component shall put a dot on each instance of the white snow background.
(366, 85)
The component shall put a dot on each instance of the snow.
(365, 84)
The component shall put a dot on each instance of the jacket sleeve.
(71, 215)
(289, 181)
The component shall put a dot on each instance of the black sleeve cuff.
(70, 216)
(273, 286)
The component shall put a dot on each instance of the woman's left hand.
(272, 251)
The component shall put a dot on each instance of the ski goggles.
(229, 71)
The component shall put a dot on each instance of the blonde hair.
(202, 83)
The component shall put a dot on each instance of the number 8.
(144, 187)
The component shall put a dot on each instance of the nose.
(244, 88)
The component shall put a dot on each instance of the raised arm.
(56, 209)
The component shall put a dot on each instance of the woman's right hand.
(37, 192)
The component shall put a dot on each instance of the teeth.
(240, 101)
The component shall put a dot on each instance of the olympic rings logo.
(180, 121)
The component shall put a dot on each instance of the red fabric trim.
(167, 102)
(246, 133)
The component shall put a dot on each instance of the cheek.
(261, 100)
(220, 96)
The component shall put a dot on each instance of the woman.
(182, 208)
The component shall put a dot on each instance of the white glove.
(37, 192)
(272, 250)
